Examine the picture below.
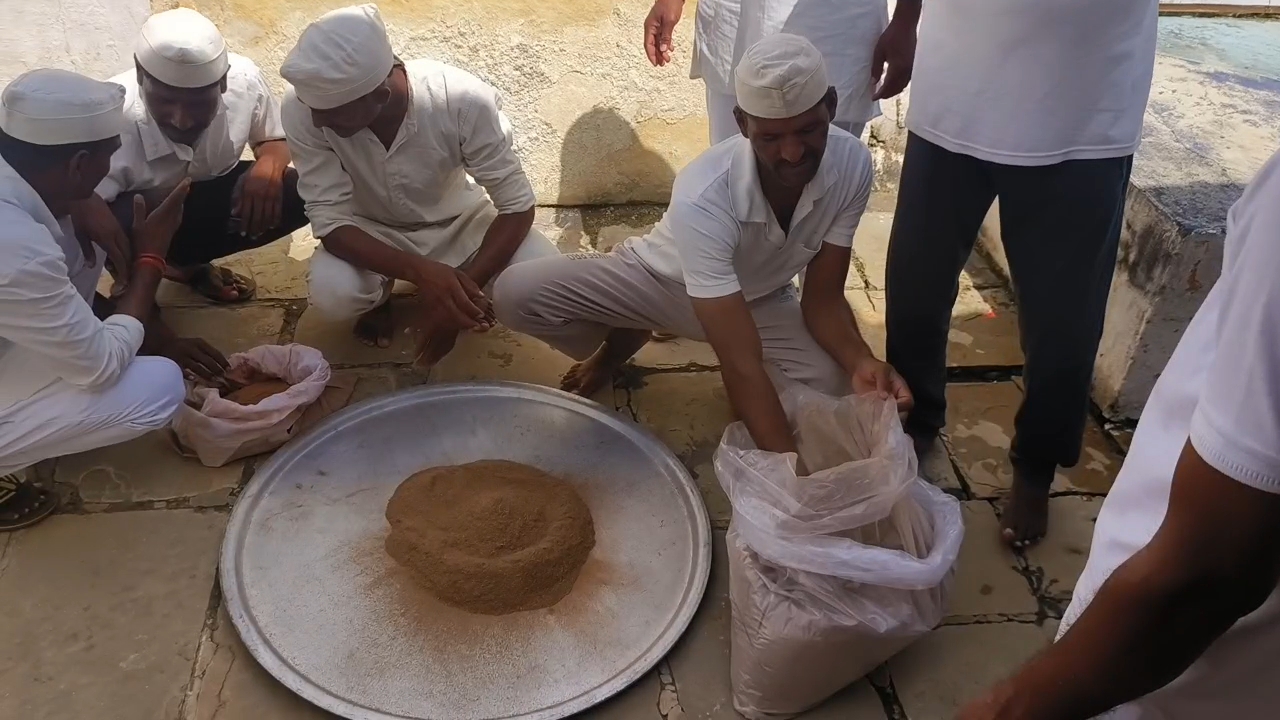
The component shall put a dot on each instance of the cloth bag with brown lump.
(834, 572)
(218, 430)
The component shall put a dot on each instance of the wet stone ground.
(112, 611)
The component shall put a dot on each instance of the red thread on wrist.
(153, 260)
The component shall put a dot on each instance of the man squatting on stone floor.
(191, 109)
(745, 217)
(1039, 103)
(395, 203)
(71, 382)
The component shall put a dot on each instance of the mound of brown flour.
(490, 537)
(256, 392)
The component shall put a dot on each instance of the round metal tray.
(323, 608)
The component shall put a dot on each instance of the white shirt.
(149, 161)
(412, 195)
(844, 31)
(1221, 389)
(48, 332)
(1033, 82)
(719, 235)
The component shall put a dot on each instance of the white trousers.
(62, 419)
(341, 290)
(723, 125)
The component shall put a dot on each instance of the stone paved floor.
(111, 610)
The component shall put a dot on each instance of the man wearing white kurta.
(384, 150)
(69, 382)
(745, 217)
(1177, 613)
(855, 37)
(1039, 103)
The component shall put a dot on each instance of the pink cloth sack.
(218, 431)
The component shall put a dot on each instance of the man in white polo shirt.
(69, 382)
(1177, 614)
(745, 217)
(194, 108)
(387, 151)
(1038, 103)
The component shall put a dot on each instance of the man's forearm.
(1141, 631)
(834, 326)
(273, 150)
(357, 247)
(501, 241)
(907, 11)
(755, 401)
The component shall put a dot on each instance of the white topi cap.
(182, 48)
(781, 76)
(342, 56)
(56, 107)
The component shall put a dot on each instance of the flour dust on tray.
(490, 537)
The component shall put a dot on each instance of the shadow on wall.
(603, 161)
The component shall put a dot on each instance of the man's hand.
(897, 49)
(153, 230)
(197, 357)
(658, 28)
(449, 291)
(257, 200)
(95, 224)
(875, 376)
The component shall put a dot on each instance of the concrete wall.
(94, 37)
(595, 123)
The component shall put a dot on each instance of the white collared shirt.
(1033, 82)
(1220, 391)
(47, 329)
(844, 31)
(148, 161)
(411, 195)
(719, 235)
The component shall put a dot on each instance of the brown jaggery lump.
(256, 392)
(490, 537)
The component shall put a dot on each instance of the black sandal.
(23, 504)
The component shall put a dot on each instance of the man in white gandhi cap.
(387, 152)
(70, 382)
(192, 109)
(745, 218)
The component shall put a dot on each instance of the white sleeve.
(706, 245)
(323, 183)
(857, 196)
(123, 173)
(267, 125)
(488, 146)
(1236, 424)
(41, 310)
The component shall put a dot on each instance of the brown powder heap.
(490, 537)
(256, 392)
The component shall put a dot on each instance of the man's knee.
(162, 391)
(515, 295)
(340, 290)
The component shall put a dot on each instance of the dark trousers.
(1060, 227)
(208, 231)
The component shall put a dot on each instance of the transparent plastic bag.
(218, 431)
(833, 572)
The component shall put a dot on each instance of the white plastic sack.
(834, 572)
(218, 431)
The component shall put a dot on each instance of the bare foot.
(589, 376)
(375, 328)
(1024, 518)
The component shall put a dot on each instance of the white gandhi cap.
(341, 57)
(182, 48)
(781, 76)
(56, 107)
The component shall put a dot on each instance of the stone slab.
(563, 227)
(871, 247)
(1062, 554)
(611, 236)
(148, 468)
(230, 329)
(713, 496)
(955, 664)
(687, 411)
(984, 327)
(936, 467)
(502, 354)
(103, 613)
(700, 661)
(1098, 465)
(678, 353)
(277, 269)
(987, 582)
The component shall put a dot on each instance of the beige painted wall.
(595, 123)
